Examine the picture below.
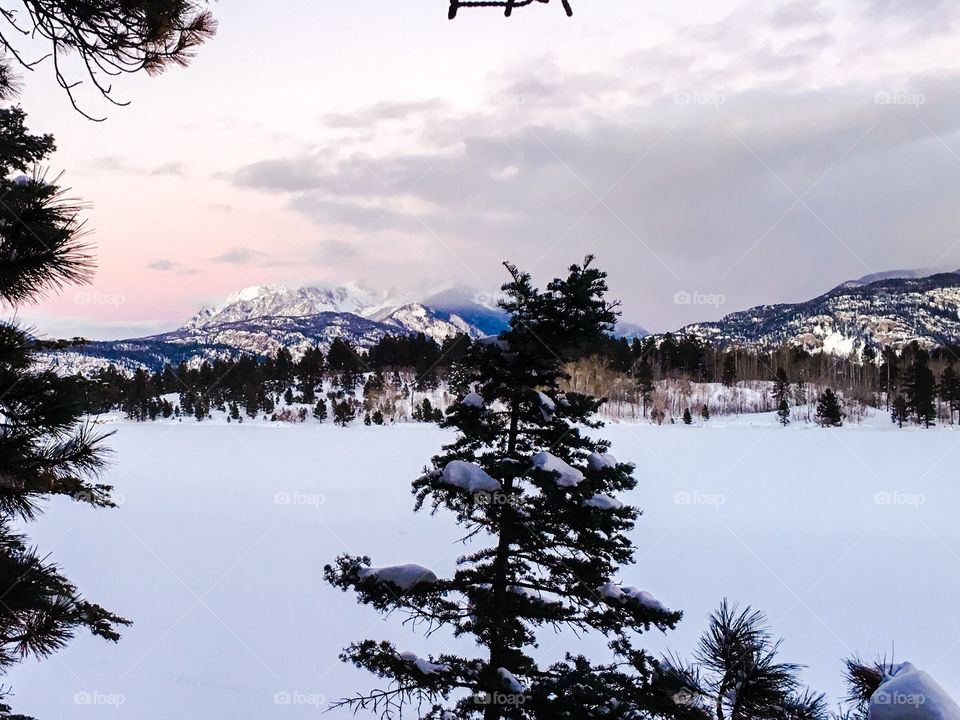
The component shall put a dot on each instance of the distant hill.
(884, 310)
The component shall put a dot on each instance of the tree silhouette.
(110, 37)
(507, 5)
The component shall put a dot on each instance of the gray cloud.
(249, 256)
(116, 163)
(382, 112)
(164, 265)
(170, 168)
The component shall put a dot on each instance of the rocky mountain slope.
(891, 311)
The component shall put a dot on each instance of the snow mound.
(510, 680)
(623, 595)
(424, 666)
(547, 406)
(474, 400)
(599, 461)
(403, 576)
(469, 477)
(910, 694)
(566, 476)
(602, 501)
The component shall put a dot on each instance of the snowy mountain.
(885, 310)
(265, 301)
(262, 319)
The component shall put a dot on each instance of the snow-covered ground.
(847, 538)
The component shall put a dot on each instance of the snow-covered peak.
(261, 301)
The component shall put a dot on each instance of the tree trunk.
(497, 644)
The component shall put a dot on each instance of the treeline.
(341, 383)
(915, 385)
(658, 378)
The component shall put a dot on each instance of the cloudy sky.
(751, 151)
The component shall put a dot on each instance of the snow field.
(846, 538)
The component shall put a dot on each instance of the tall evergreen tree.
(781, 387)
(44, 448)
(730, 368)
(899, 412)
(949, 389)
(644, 377)
(920, 388)
(535, 495)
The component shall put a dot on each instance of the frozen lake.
(848, 539)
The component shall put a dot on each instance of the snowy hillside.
(888, 312)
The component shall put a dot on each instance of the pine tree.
(548, 536)
(730, 368)
(920, 386)
(781, 387)
(899, 412)
(949, 389)
(644, 377)
(687, 417)
(320, 411)
(737, 674)
(344, 413)
(705, 412)
(829, 409)
(377, 417)
(45, 449)
(783, 412)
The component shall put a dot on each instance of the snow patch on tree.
(403, 576)
(548, 407)
(602, 501)
(599, 461)
(566, 476)
(422, 664)
(616, 593)
(510, 680)
(474, 400)
(469, 477)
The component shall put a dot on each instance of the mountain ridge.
(881, 310)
